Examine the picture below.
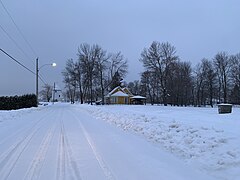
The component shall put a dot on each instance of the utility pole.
(37, 70)
(53, 92)
(37, 74)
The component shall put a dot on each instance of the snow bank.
(202, 137)
(6, 115)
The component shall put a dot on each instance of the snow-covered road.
(65, 142)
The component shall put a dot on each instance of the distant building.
(123, 96)
(57, 94)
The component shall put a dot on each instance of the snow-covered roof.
(138, 97)
(119, 93)
(224, 104)
(127, 90)
(114, 90)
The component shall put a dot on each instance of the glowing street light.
(37, 72)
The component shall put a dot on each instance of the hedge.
(18, 102)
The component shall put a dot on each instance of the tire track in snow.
(10, 157)
(61, 169)
(34, 170)
(106, 170)
(67, 165)
(24, 129)
(61, 164)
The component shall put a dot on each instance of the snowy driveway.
(65, 142)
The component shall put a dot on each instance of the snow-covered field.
(200, 136)
(64, 141)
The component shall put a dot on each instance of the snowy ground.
(200, 136)
(64, 141)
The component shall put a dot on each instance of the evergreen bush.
(18, 102)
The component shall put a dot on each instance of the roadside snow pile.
(13, 114)
(201, 136)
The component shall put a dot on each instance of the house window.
(114, 100)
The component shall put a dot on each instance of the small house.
(118, 96)
(123, 96)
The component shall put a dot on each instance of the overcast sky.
(55, 29)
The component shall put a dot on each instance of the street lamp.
(37, 71)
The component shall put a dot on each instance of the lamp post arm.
(44, 65)
(37, 72)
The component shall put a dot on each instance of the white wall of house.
(58, 96)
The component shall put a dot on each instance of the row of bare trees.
(218, 79)
(168, 80)
(93, 73)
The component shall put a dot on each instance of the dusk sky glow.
(56, 28)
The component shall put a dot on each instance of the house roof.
(138, 97)
(114, 90)
(126, 90)
(224, 104)
(122, 92)
(119, 93)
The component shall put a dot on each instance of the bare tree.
(222, 64)
(87, 56)
(205, 83)
(70, 80)
(198, 85)
(182, 84)
(80, 81)
(46, 92)
(235, 79)
(235, 69)
(158, 58)
(118, 68)
(209, 75)
(149, 84)
(134, 87)
(101, 67)
(96, 70)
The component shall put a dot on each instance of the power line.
(16, 44)
(20, 32)
(21, 64)
(18, 48)
(17, 61)
(17, 27)
(27, 42)
(41, 78)
(10, 37)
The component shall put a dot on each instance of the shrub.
(18, 102)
